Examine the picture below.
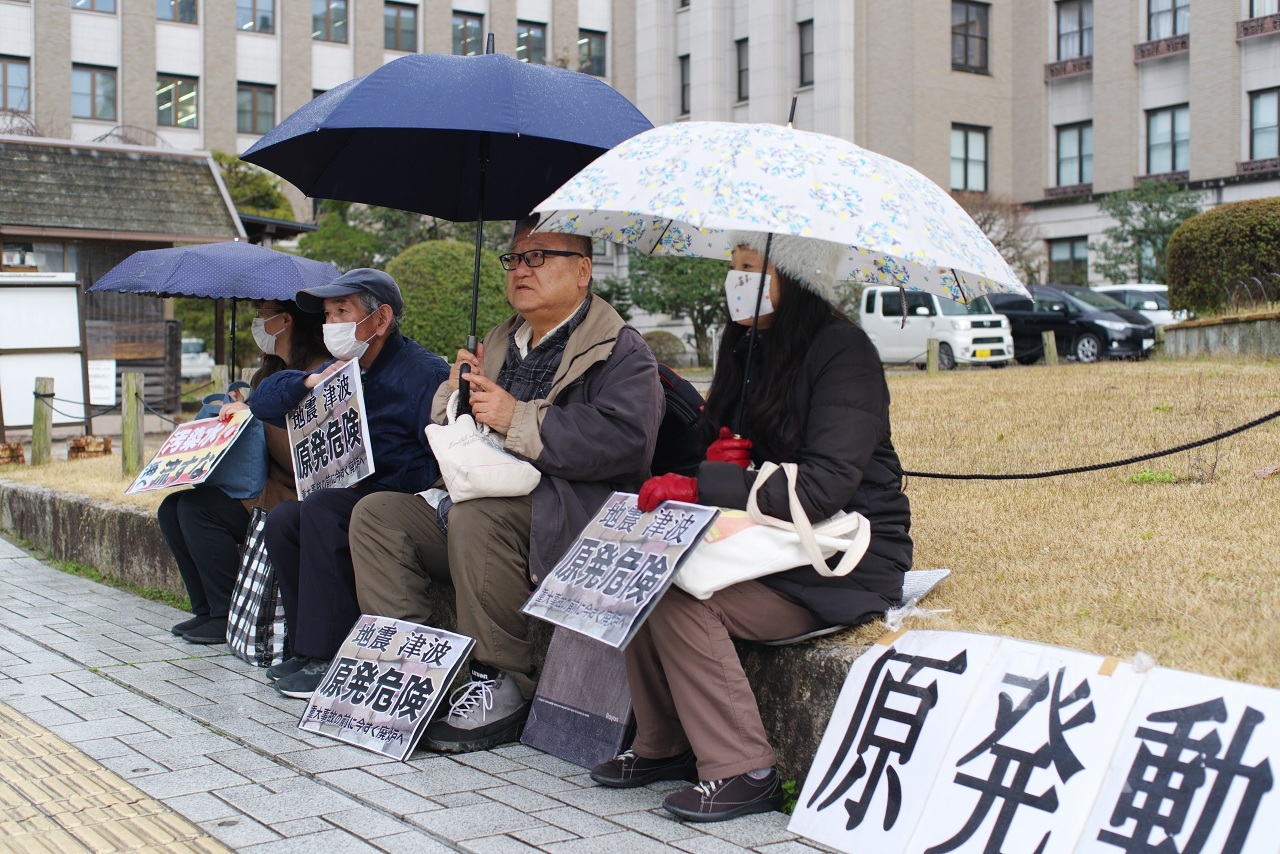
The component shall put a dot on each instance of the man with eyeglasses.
(570, 387)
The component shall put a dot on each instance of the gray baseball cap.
(376, 282)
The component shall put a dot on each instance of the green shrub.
(666, 347)
(435, 278)
(1212, 251)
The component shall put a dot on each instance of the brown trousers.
(398, 550)
(688, 688)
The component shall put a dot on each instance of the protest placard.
(190, 453)
(329, 434)
(612, 575)
(385, 684)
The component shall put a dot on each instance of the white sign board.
(329, 434)
(18, 374)
(102, 382)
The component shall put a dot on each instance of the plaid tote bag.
(255, 626)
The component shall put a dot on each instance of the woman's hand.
(729, 449)
(229, 409)
(667, 487)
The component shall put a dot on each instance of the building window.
(969, 33)
(255, 108)
(1075, 28)
(1168, 140)
(95, 5)
(1264, 125)
(969, 158)
(175, 102)
(684, 85)
(256, 16)
(15, 84)
(1168, 18)
(1075, 154)
(467, 39)
(182, 11)
(1259, 8)
(683, 4)
(744, 69)
(400, 27)
(806, 53)
(1069, 261)
(531, 42)
(93, 93)
(591, 56)
(329, 20)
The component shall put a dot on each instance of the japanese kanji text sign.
(944, 741)
(385, 684)
(329, 434)
(621, 563)
(190, 453)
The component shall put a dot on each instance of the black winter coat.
(846, 461)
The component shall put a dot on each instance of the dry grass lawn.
(1186, 571)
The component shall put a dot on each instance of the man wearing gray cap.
(307, 540)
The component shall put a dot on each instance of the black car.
(1086, 325)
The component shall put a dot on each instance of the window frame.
(176, 80)
(1174, 6)
(5, 63)
(682, 62)
(1174, 110)
(1254, 97)
(326, 34)
(525, 28)
(399, 10)
(92, 6)
(174, 6)
(463, 19)
(967, 130)
(1078, 128)
(984, 38)
(94, 71)
(1074, 264)
(255, 89)
(255, 8)
(1080, 30)
(586, 40)
(742, 57)
(1253, 9)
(804, 32)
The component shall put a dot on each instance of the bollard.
(220, 379)
(132, 429)
(246, 374)
(42, 421)
(1050, 344)
(931, 360)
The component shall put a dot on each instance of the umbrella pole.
(473, 341)
(232, 372)
(751, 344)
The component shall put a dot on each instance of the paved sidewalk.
(202, 733)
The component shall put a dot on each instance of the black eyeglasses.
(533, 258)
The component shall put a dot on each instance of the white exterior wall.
(17, 36)
(258, 58)
(95, 39)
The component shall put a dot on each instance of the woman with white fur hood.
(816, 396)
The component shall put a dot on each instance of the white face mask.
(341, 341)
(740, 291)
(265, 339)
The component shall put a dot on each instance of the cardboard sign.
(946, 741)
(330, 434)
(621, 563)
(190, 453)
(385, 684)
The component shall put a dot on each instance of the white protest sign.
(329, 434)
(385, 684)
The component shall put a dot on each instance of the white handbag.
(744, 546)
(473, 462)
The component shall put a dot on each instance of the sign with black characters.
(621, 563)
(385, 684)
(190, 453)
(329, 434)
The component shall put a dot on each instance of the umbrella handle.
(464, 387)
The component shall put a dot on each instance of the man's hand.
(491, 404)
(664, 487)
(314, 380)
(729, 449)
(465, 356)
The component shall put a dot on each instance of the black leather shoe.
(187, 625)
(628, 771)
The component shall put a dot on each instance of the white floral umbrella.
(679, 190)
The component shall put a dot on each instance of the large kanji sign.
(190, 453)
(330, 434)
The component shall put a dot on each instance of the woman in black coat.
(816, 397)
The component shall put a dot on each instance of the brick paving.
(202, 733)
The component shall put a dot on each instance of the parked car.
(1151, 301)
(964, 338)
(197, 364)
(1086, 326)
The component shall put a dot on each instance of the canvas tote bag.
(473, 462)
(744, 546)
(255, 623)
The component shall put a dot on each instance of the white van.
(964, 338)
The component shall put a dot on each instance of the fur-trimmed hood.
(805, 260)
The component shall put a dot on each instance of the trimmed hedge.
(1215, 249)
(435, 278)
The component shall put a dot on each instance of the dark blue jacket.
(398, 388)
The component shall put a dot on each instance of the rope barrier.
(46, 397)
(1099, 466)
(159, 415)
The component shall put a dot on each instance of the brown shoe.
(719, 800)
(628, 771)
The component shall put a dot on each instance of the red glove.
(728, 449)
(664, 487)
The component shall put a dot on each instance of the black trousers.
(205, 530)
(308, 546)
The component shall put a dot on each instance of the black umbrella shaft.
(473, 340)
(232, 372)
(738, 425)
